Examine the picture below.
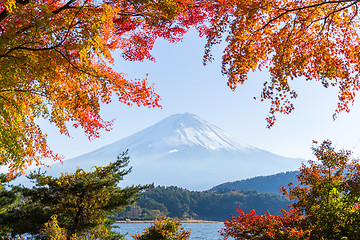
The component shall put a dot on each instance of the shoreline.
(151, 221)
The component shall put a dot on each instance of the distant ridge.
(186, 151)
(271, 183)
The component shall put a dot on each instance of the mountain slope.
(177, 202)
(271, 183)
(186, 151)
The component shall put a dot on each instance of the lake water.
(205, 231)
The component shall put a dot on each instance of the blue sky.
(185, 85)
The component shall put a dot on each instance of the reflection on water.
(204, 231)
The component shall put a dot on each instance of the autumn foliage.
(56, 57)
(267, 226)
(56, 63)
(326, 203)
(164, 229)
(309, 39)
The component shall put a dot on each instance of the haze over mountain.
(186, 151)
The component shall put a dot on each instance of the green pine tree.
(81, 200)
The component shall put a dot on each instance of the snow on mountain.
(186, 151)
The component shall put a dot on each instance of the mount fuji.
(186, 151)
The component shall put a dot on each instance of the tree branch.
(21, 47)
(309, 6)
(5, 13)
(42, 94)
(66, 6)
(74, 66)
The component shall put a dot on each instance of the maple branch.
(5, 13)
(66, 58)
(51, 2)
(30, 49)
(66, 6)
(72, 24)
(326, 19)
(133, 14)
(355, 13)
(310, 6)
(42, 94)
(74, 66)
(53, 47)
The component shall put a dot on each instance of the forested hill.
(181, 203)
(271, 183)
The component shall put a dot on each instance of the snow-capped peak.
(182, 130)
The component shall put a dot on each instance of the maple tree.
(267, 226)
(326, 203)
(56, 57)
(55, 63)
(309, 39)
